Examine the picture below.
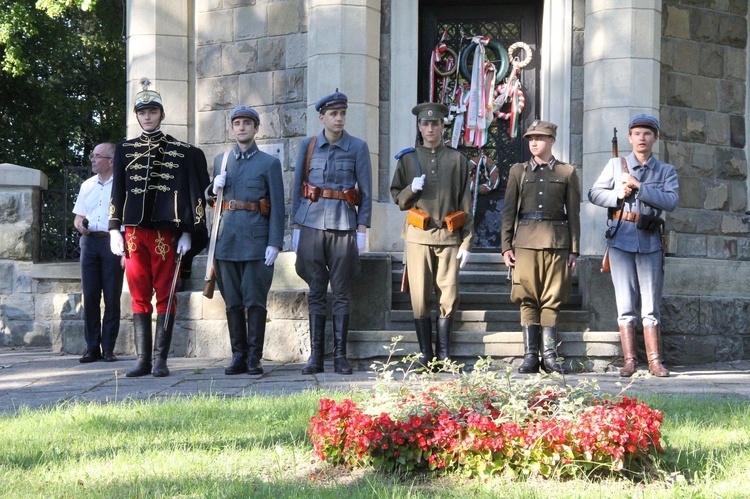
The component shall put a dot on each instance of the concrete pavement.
(36, 378)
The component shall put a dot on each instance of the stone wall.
(252, 53)
(703, 117)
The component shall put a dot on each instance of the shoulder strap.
(310, 149)
(624, 165)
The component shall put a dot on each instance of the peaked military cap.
(245, 112)
(644, 120)
(539, 127)
(147, 98)
(336, 100)
(430, 111)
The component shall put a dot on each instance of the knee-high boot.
(161, 345)
(651, 338)
(238, 341)
(549, 352)
(627, 338)
(340, 334)
(444, 330)
(317, 344)
(256, 336)
(142, 334)
(531, 336)
(423, 326)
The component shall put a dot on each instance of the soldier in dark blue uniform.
(250, 237)
(331, 209)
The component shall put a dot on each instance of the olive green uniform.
(431, 253)
(547, 231)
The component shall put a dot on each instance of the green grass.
(208, 446)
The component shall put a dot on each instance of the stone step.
(582, 349)
(481, 300)
(487, 320)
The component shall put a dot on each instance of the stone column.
(622, 53)
(160, 46)
(20, 191)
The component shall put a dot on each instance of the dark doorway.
(504, 22)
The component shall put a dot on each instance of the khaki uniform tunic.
(541, 278)
(431, 253)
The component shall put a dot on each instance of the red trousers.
(150, 268)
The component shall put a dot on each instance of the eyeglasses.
(99, 156)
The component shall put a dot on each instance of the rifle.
(208, 288)
(610, 234)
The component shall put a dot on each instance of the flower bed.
(484, 423)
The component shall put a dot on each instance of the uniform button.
(541, 180)
(540, 206)
(540, 193)
(433, 172)
(433, 160)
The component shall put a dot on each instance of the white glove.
(295, 240)
(463, 255)
(183, 245)
(418, 183)
(271, 253)
(116, 242)
(361, 242)
(219, 182)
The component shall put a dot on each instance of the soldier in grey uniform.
(540, 240)
(331, 208)
(636, 196)
(434, 179)
(250, 236)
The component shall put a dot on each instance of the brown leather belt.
(628, 216)
(543, 215)
(240, 205)
(332, 194)
(98, 234)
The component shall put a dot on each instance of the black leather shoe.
(109, 357)
(254, 368)
(90, 356)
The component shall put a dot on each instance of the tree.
(62, 81)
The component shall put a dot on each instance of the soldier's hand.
(183, 245)
(624, 191)
(509, 258)
(418, 183)
(295, 240)
(116, 242)
(361, 242)
(219, 182)
(463, 257)
(271, 253)
(572, 260)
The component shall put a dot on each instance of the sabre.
(172, 291)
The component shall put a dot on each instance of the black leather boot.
(317, 344)
(423, 326)
(256, 329)
(238, 340)
(142, 336)
(444, 331)
(531, 336)
(549, 355)
(340, 334)
(161, 345)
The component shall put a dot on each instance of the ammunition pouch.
(310, 191)
(650, 223)
(264, 206)
(417, 218)
(455, 220)
(353, 196)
